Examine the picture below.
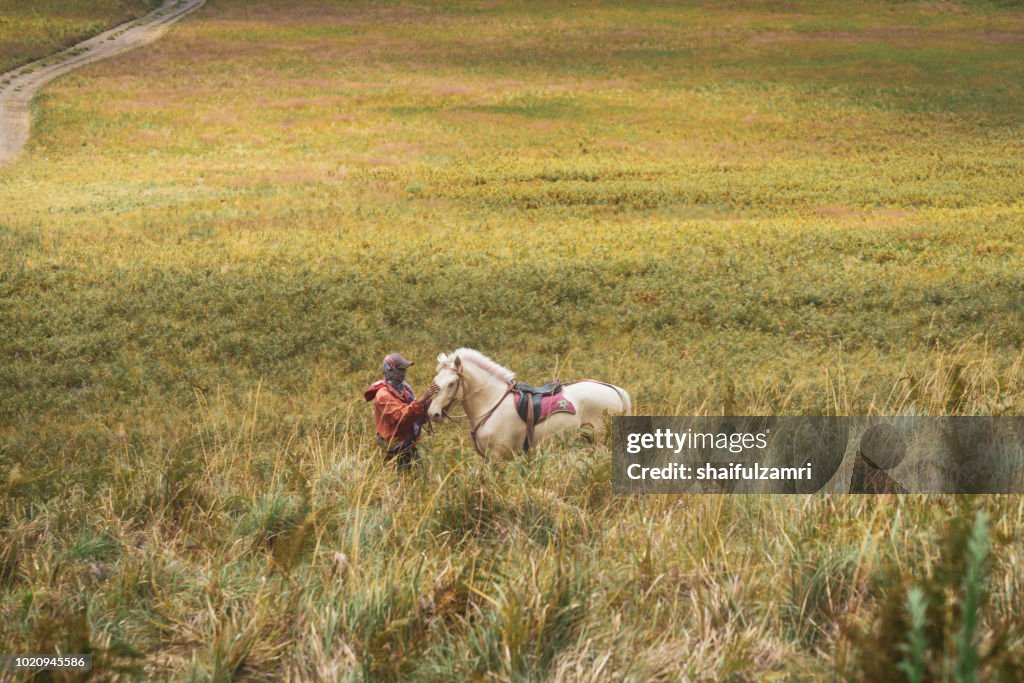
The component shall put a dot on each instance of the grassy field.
(771, 207)
(29, 30)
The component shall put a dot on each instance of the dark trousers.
(403, 455)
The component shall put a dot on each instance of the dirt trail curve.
(17, 87)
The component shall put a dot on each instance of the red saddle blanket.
(542, 405)
(557, 403)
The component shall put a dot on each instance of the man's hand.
(429, 394)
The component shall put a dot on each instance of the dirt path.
(17, 87)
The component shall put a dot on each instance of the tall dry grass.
(788, 208)
(249, 547)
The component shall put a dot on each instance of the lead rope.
(474, 429)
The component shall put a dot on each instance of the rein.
(473, 429)
(444, 411)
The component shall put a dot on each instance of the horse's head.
(449, 379)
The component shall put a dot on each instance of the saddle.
(549, 389)
(535, 403)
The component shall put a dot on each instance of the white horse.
(485, 390)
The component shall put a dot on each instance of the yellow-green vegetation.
(767, 207)
(36, 28)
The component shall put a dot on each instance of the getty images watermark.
(817, 454)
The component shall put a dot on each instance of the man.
(399, 416)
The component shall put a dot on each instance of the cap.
(397, 360)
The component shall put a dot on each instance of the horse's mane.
(483, 362)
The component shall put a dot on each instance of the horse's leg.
(498, 442)
(589, 430)
(595, 403)
(602, 429)
(562, 427)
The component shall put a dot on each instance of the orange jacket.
(397, 416)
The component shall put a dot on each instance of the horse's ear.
(458, 364)
(441, 357)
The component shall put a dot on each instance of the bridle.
(455, 398)
(473, 429)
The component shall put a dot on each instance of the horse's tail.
(624, 398)
(627, 402)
